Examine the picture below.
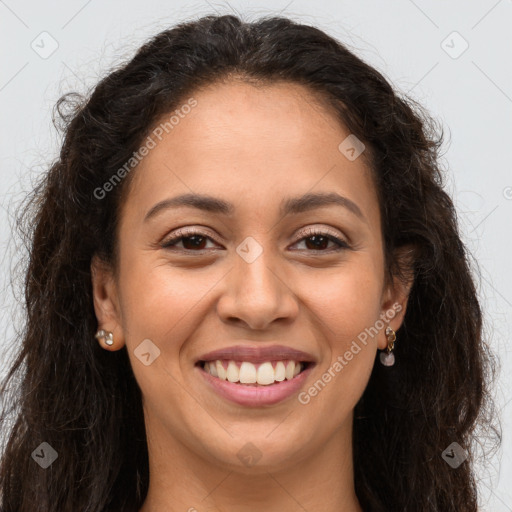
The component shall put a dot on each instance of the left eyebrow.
(311, 201)
(293, 205)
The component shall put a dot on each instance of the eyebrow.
(293, 205)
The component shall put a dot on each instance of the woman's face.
(263, 268)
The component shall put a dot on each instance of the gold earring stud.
(106, 336)
(391, 336)
(387, 358)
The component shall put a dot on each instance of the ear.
(106, 303)
(396, 292)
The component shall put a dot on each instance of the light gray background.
(470, 94)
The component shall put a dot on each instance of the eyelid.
(319, 230)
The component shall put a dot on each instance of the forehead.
(245, 141)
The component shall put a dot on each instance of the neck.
(182, 480)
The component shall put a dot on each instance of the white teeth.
(221, 372)
(212, 368)
(280, 373)
(265, 374)
(248, 373)
(290, 369)
(233, 372)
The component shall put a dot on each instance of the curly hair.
(65, 390)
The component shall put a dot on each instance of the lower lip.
(256, 396)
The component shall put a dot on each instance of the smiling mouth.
(250, 374)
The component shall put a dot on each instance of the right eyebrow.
(202, 202)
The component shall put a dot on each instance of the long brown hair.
(84, 402)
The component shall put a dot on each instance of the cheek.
(165, 306)
(158, 302)
(346, 306)
(345, 300)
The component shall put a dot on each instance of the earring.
(387, 358)
(106, 336)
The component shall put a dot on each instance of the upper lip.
(257, 354)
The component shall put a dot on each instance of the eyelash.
(304, 235)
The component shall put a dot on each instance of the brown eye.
(318, 240)
(190, 240)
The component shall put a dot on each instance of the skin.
(251, 146)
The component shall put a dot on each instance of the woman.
(246, 291)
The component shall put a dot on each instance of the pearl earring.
(106, 336)
(387, 358)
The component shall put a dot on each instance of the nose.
(257, 295)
